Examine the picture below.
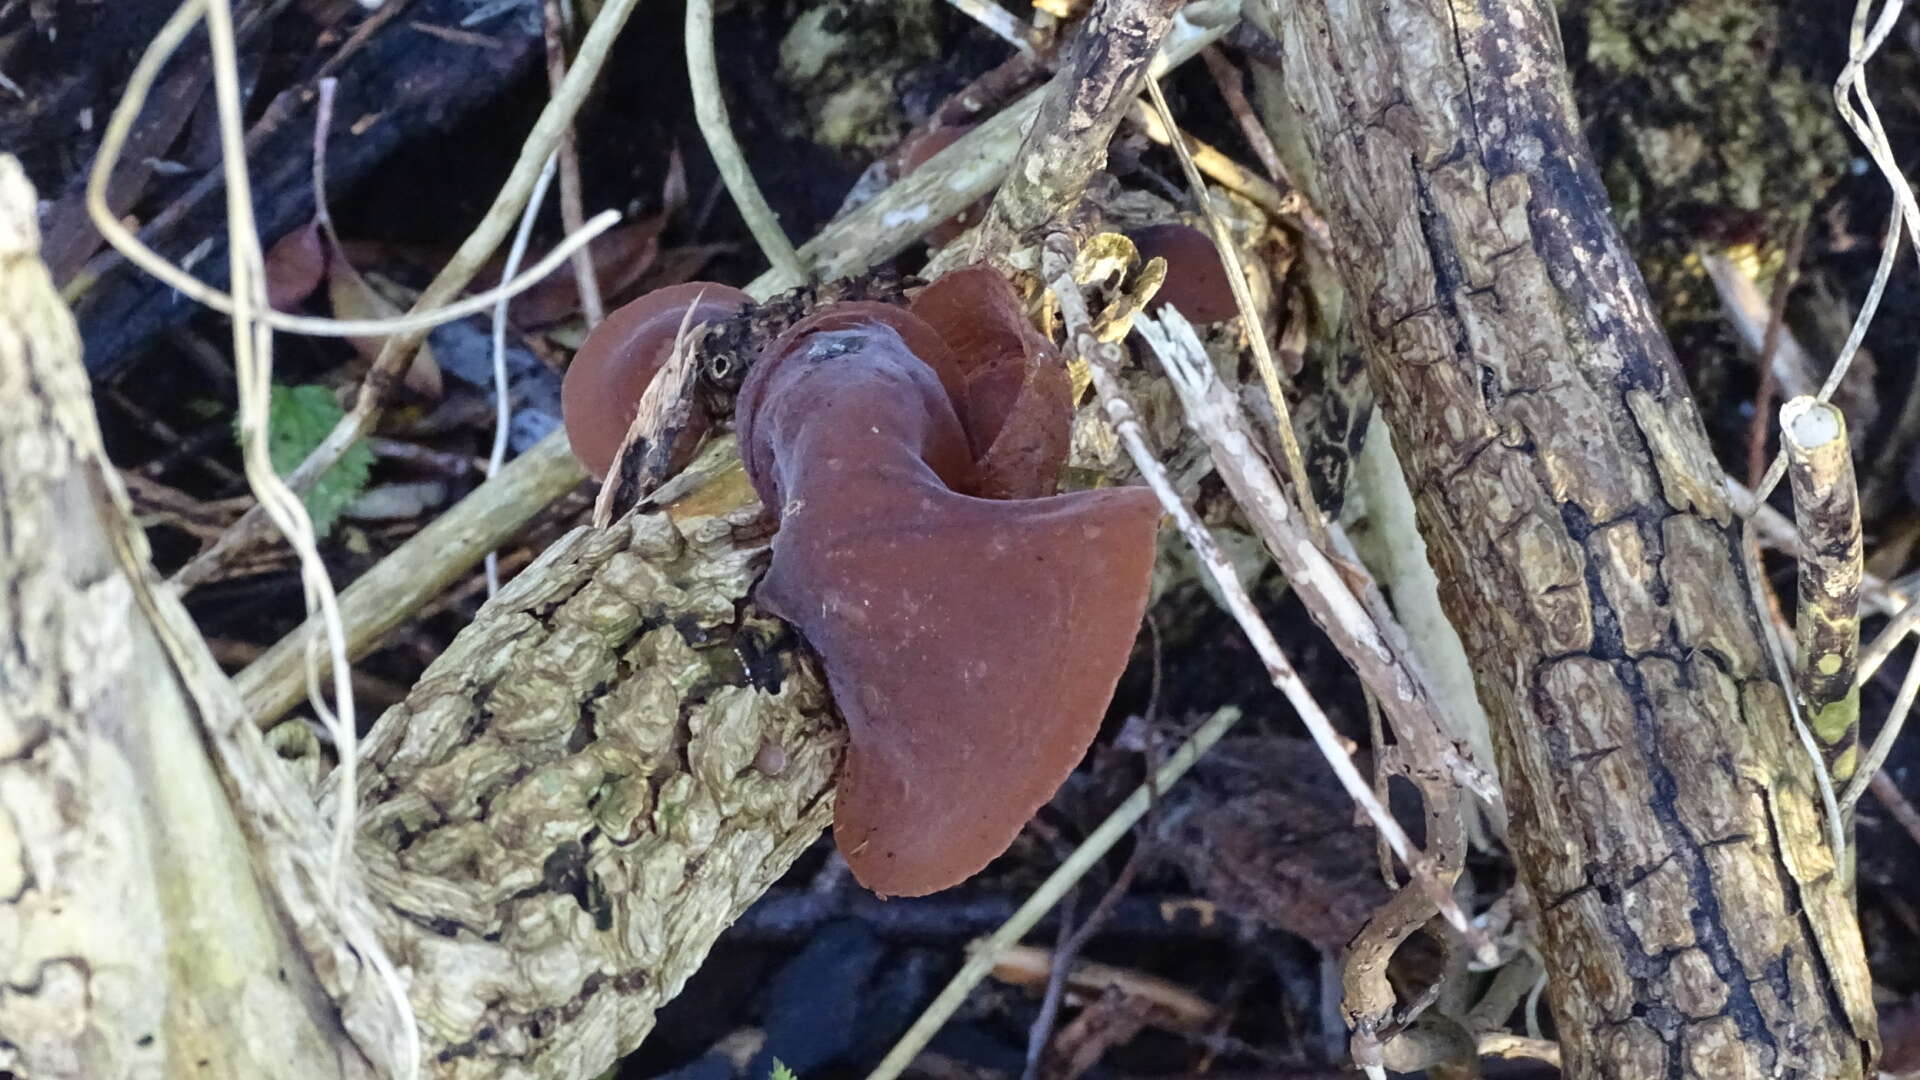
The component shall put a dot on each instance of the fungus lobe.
(972, 644)
(603, 385)
(1196, 277)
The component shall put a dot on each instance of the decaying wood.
(1080, 108)
(1663, 814)
(1826, 507)
(118, 842)
(597, 777)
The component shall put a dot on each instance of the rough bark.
(118, 843)
(1664, 814)
(594, 780)
(1080, 109)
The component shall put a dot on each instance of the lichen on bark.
(1710, 130)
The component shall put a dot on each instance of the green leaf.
(298, 418)
(781, 1072)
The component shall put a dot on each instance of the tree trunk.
(139, 937)
(1664, 813)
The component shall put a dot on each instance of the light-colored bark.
(1663, 813)
(135, 933)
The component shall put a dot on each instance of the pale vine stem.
(548, 130)
(253, 365)
(502, 400)
(710, 109)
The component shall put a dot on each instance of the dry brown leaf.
(354, 298)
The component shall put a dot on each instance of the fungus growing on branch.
(972, 644)
(603, 385)
(1196, 281)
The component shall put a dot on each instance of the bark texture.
(1664, 814)
(595, 779)
(135, 936)
(1080, 109)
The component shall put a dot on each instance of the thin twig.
(1896, 803)
(1228, 173)
(1256, 329)
(1228, 79)
(1041, 1030)
(558, 17)
(1072, 939)
(1889, 639)
(1883, 742)
(982, 954)
(710, 109)
(1102, 362)
(502, 400)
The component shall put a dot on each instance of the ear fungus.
(971, 644)
(602, 388)
(1017, 401)
(1196, 281)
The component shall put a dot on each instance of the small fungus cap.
(601, 392)
(1196, 278)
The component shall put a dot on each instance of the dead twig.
(1256, 331)
(557, 18)
(1826, 506)
(502, 400)
(1103, 360)
(1228, 173)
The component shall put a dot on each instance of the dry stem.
(710, 109)
(1827, 622)
(1256, 330)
